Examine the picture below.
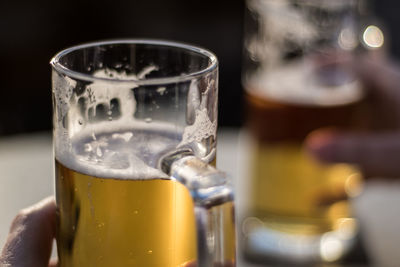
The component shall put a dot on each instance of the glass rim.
(60, 68)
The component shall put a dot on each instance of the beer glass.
(297, 80)
(135, 142)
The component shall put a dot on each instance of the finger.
(31, 236)
(375, 154)
(383, 76)
(380, 74)
(53, 263)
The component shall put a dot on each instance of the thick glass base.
(265, 244)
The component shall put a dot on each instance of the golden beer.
(126, 221)
(291, 192)
(123, 222)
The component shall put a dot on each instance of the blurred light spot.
(331, 248)
(250, 224)
(347, 39)
(373, 37)
(347, 228)
(353, 185)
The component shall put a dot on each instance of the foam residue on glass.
(92, 139)
(292, 65)
(200, 126)
(301, 84)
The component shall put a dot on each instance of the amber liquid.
(290, 191)
(122, 222)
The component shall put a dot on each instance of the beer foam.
(90, 148)
(124, 147)
(299, 84)
(202, 128)
(122, 75)
(116, 150)
(289, 70)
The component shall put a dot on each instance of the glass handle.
(212, 196)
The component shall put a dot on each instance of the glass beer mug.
(135, 142)
(296, 81)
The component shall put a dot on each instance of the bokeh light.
(373, 37)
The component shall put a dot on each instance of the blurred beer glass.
(134, 133)
(297, 80)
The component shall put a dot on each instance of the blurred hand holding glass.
(297, 80)
(134, 131)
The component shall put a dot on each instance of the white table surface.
(26, 167)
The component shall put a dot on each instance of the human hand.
(375, 151)
(30, 240)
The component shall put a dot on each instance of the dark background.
(32, 32)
